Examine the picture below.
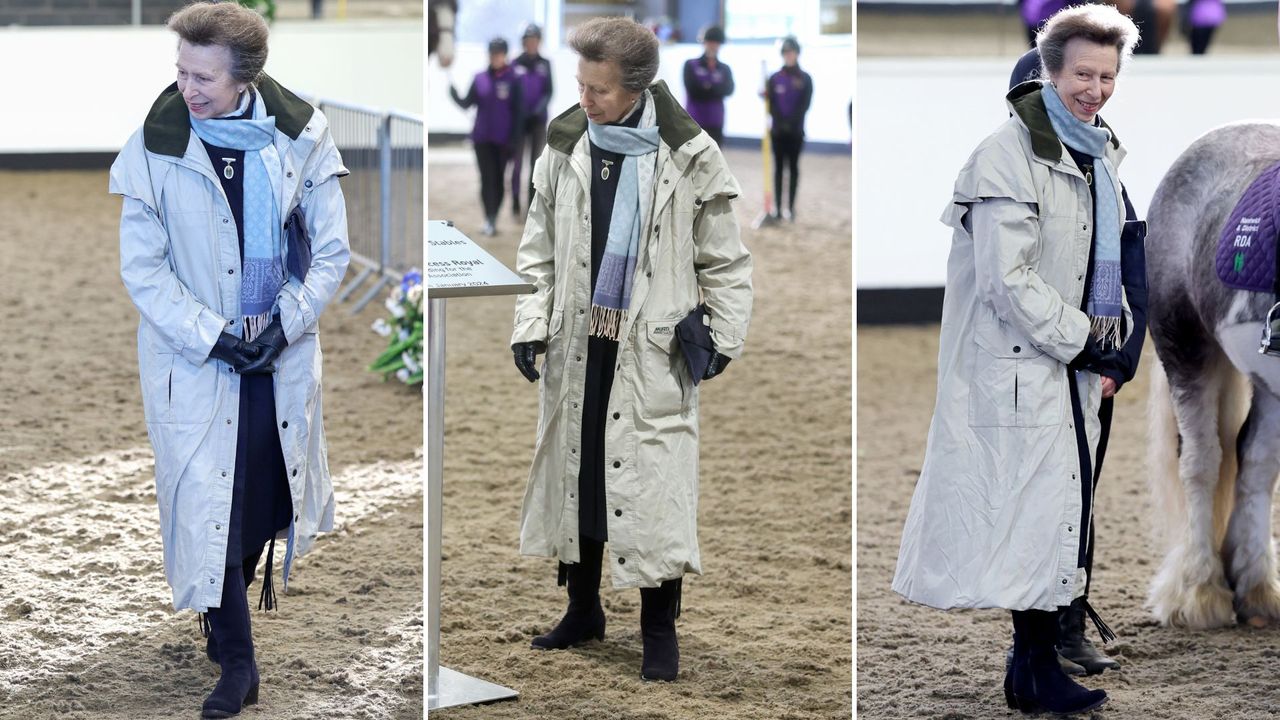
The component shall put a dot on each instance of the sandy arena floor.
(766, 631)
(914, 661)
(87, 628)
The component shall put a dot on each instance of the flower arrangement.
(403, 356)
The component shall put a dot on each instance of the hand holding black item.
(526, 355)
(716, 366)
(1094, 358)
(269, 343)
(233, 351)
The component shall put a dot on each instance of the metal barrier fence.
(384, 152)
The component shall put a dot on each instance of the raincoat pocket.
(192, 390)
(1014, 383)
(663, 373)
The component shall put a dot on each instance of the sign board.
(457, 267)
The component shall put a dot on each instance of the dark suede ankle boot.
(1074, 646)
(659, 608)
(584, 620)
(1037, 682)
(229, 625)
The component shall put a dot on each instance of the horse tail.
(1168, 498)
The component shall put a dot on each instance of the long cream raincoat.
(996, 516)
(689, 252)
(180, 262)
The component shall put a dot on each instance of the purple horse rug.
(1246, 257)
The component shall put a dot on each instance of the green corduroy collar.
(167, 130)
(1026, 102)
(675, 127)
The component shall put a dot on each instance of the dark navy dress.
(602, 353)
(261, 504)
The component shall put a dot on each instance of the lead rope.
(268, 596)
(1107, 633)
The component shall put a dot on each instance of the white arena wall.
(918, 120)
(829, 61)
(85, 90)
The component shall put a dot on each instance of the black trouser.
(535, 137)
(786, 151)
(492, 159)
(1200, 37)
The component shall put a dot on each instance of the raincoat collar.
(167, 130)
(675, 127)
(1026, 103)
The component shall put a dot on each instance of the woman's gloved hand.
(526, 355)
(1093, 358)
(233, 351)
(269, 343)
(716, 366)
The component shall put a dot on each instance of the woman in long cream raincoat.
(689, 252)
(1001, 513)
(181, 246)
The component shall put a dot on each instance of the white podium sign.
(456, 267)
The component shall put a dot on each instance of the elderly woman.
(1034, 314)
(229, 300)
(632, 226)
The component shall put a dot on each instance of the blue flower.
(411, 278)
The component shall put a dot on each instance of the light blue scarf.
(612, 296)
(262, 269)
(1105, 294)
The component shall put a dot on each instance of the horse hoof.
(1198, 607)
(1260, 606)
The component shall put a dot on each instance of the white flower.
(403, 375)
(409, 363)
(381, 327)
(394, 307)
(415, 295)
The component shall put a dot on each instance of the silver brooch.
(228, 172)
(604, 171)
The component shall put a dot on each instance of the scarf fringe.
(255, 324)
(1106, 330)
(607, 322)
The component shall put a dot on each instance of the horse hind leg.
(1247, 551)
(1190, 589)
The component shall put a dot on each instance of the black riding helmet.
(712, 33)
(790, 43)
(531, 31)
(497, 45)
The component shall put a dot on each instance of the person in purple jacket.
(498, 95)
(537, 94)
(790, 91)
(707, 82)
(1199, 19)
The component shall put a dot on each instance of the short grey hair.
(1102, 24)
(631, 45)
(240, 30)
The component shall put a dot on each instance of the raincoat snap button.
(210, 581)
(622, 561)
(571, 496)
(655, 228)
(617, 464)
(584, 264)
(666, 182)
(228, 421)
(225, 221)
(217, 527)
(581, 311)
(1064, 581)
(616, 416)
(284, 424)
(579, 358)
(1017, 348)
(307, 183)
(288, 174)
(1070, 529)
(224, 473)
(231, 271)
(617, 513)
(295, 472)
(649, 274)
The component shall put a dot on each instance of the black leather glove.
(233, 351)
(716, 366)
(270, 343)
(1093, 358)
(527, 358)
